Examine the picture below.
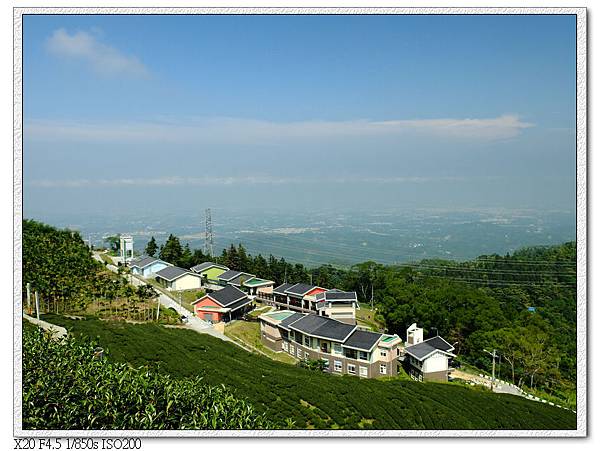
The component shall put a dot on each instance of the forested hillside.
(523, 305)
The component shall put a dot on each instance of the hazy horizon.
(175, 114)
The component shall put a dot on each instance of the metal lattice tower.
(209, 237)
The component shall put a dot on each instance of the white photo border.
(581, 209)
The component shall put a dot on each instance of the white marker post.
(37, 306)
(28, 298)
(157, 307)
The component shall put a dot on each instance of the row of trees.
(58, 265)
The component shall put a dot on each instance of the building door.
(208, 317)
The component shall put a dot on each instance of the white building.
(427, 360)
(126, 248)
(174, 278)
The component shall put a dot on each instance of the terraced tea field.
(312, 399)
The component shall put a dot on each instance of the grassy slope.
(249, 333)
(313, 399)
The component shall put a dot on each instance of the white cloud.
(102, 58)
(236, 131)
(226, 181)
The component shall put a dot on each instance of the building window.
(284, 345)
(364, 371)
(337, 365)
(325, 363)
(362, 355)
(324, 348)
(351, 354)
(351, 368)
(298, 352)
(383, 352)
(292, 349)
(307, 341)
(337, 348)
(306, 356)
(382, 369)
(398, 351)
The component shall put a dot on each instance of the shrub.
(68, 385)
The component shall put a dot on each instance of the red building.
(223, 305)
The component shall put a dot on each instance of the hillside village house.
(258, 286)
(233, 277)
(299, 296)
(209, 271)
(246, 282)
(342, 347)
(147, 266)
(337, 304)
(427, 360)
(226, 304)
(175, 279)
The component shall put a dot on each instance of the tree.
(171, 251)
(186, 259)
(534, 353)
(114, 242)
(151, 247)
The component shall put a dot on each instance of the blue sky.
(326, 110)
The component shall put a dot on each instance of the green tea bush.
(68, 385)
(277, 389)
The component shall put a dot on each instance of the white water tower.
(126, 248)
(414, 335)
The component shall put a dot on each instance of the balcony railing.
(270, 301)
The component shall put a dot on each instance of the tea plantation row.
(311, 399)
(67, 385)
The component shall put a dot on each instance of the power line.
(499, 282)
(337, 254)
(400, 253)
(484, 270)
(466, 280)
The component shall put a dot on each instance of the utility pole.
(209, 237)
(493, 354)
(157, 306)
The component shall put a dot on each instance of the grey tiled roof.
(237, 280)
(173, 272)
(322, 326)
(202, 266)
(362, 339)
(228, 296)
(281, 288)
(300, 289)
(239, 304)
(229, 274)
(337, 295)
(426, 347)
(142, 262)
(290, 319)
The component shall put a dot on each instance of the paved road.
(499, 387)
